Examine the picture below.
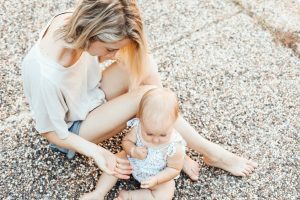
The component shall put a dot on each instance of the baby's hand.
(151, 182)
(139, 152)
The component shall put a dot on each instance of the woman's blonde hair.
(160, 104)
(110, 21)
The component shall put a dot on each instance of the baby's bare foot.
(92, 196)
(123, 195)
(234, 164)
(191, 168)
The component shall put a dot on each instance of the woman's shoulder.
(55, 48)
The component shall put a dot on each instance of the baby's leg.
(104, 185)
(162, 191)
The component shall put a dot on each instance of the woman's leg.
(111, 117)
(214, 154)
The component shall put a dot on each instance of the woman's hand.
(113, 165)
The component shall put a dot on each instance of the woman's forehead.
(116, 45)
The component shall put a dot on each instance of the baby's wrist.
(156, 179)
(132, 151)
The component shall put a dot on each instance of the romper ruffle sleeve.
(133, 122)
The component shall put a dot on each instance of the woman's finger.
(124, 167)
(121, 160)
(123, 171)
(108, 171)
(121, 176)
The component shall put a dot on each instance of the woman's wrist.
(95, 150)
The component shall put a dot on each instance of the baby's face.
(156, 135)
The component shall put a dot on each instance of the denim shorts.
(69, 153)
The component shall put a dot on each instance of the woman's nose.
(112, 54)
(108, 56)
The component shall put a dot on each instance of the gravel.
(236, 85)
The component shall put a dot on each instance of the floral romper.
(156, 159)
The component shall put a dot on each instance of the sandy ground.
(235, 66)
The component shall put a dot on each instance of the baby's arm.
(130, 148)
(174, 166)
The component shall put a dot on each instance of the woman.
(75, 111)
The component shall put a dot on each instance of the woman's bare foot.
(191, 168)
(234, 164)
(95, 195)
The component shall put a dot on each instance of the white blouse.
(58, 96)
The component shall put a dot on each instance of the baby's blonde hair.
(110, 21)
(161, 104)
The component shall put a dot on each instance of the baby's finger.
(123, 171)
(145, 186)
(145, 182)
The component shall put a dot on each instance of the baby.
(154, 148)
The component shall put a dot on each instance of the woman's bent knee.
(141, 90)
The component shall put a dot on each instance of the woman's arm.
(152, 76)
(105, 160)
(75, 143)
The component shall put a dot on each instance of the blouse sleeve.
(133, 122)
(50, 110)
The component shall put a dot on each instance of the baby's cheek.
(148, 139)
(165, 140)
